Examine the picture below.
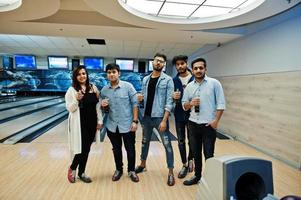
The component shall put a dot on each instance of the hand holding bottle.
(177, 96)
(140, 99)
(105, 104)
(196, 103)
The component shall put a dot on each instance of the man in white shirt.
(205, 98)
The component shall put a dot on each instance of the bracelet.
(135, 121)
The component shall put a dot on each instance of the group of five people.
(196, 100)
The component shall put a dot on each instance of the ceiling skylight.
(177, 9)
(8, 5)
(208, 11)
(159, 10)
(225, 3)
(145, 6)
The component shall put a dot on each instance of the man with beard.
(157, 89)
(181, 80)
(205, 98)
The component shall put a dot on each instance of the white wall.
(275, 49)
(250, 106)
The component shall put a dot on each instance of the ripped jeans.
(148, 123)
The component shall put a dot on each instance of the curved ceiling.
(30, 10)
(127, 35)
(115, 10)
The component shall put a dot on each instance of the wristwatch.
(135, 121)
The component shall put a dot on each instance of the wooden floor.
(38, 170)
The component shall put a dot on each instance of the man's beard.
(183, 72)
(158, 69)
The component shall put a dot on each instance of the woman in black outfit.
(84, 119)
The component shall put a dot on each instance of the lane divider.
(37, 129)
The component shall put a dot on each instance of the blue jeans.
(148, 123)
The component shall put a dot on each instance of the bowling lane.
(57, 134)
(13, 126)
(13, 99)
(15, 111)
(24, 102)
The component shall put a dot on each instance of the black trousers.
(201, 136)
(81, 159)
(87, 138)
(180, 129)
(129, 144)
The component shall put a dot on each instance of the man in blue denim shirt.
(183, 77)
(120, 101)
(205, 98)
(157, 89)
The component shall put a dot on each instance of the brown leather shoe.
(117, 175)
(171, 180)
(183, 172)
(133, 176)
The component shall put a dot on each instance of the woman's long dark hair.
(75, 82)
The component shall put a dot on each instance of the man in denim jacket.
(157, 90)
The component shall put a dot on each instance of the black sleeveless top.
(88, 116)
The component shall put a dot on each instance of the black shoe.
(139, 169)
(84, 178)
(133, 176)
(192, 181)
(183, 172)
(117, 175)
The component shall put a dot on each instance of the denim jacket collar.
(161, 77)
